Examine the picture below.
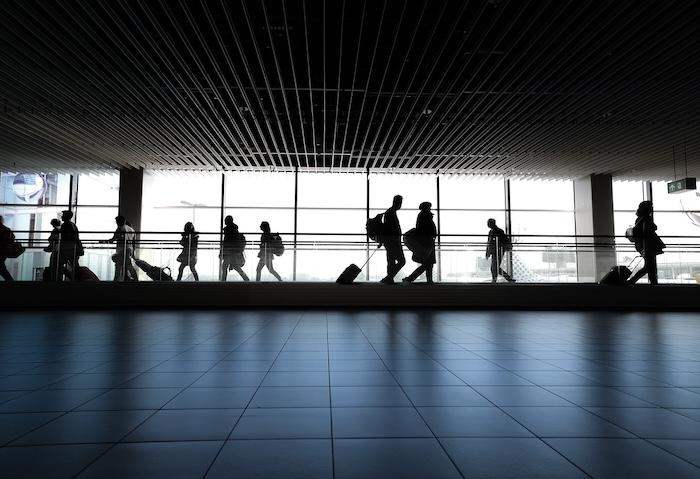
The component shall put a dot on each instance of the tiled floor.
(290, 394)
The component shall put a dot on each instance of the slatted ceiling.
(557, 88)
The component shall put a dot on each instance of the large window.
(169, 201)
(466, 204)
(254, 197)
(543, 228)
(415, 189)
(332, 212)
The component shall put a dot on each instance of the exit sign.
(679, 186)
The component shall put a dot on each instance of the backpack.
(277, 245)
(375, 227)
(507, 243)
(240, 243)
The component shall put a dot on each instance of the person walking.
(266, 253)
(51, 272)
(647, 243)
(124, 238)
(7, 239)
(425, 232)
(232, 250)
(497, 244)
(188, 256)
(391, 239)
(70, 247)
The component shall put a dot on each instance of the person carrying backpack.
(269, 244)
(497, 244)
(391, 239)
(425, 234)
(232, 250)
(646, 242)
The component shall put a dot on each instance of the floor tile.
(378, 422)
(427, 378)
(29, 382)
(222, 379)
(46, 401)
(283, 424)
(122, 399)
(597, 396)
(243, 365)
(471, 421)
(162, 380)
(296, 378)
(93, 381)
(615, 458)
(564, 422)
(392, 459)
(58, 462)
(284, 397)
(492, 378)
(12, 426)
(211, 398)
(186, 425)
(362, 378)
(291, 459)
(445, 396)
(686, 448)
(555, 378)
(665, 397)
(508, 458)
(520, 396)
(355, 396)
(654, 423)
(86, 427)
(155, 459)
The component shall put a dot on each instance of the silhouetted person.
(646, 242)
(7, 239)
(124, 238)
(391, 239)
(496, 246)
(266, 253)
(426, 233)
(232, 250)
(70, 247)
(188, 256)
(52, 247)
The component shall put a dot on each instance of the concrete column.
(593, 206)
(131, 195)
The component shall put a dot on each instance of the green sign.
(679, 186)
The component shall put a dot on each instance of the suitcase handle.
(370, 257)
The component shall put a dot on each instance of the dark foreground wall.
(107, 295)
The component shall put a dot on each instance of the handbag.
(15, 250)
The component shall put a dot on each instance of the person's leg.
(650, 264)
(194, 272)
(223, 270)
(4, 272)
(494, 268)
(180, 270)
(271, 269)
(389, 262)
(258, 270)
(396, 261)
(416, 272)
(429, 273)
(240, 271)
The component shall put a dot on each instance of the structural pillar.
(593, 207)
(131, 195)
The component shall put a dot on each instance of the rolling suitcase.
(351, 272)
(85, 274)
(618, 275)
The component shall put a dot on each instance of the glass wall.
(415, 189)
(466, 204)
(677, 217)
(542, 221)
(254, 197)
(170, 199)
(332, 213)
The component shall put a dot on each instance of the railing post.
(509, 224)
(439, 247)
(296, 204)
(366, 220)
